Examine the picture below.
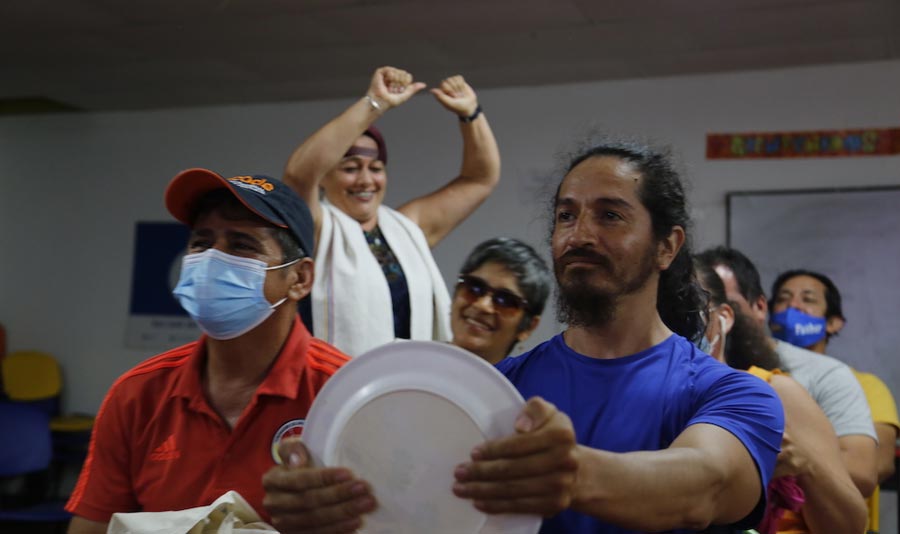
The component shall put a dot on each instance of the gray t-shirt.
(832, 385)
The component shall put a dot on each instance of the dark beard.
(577, 305)
(747, 344)
(580, 304)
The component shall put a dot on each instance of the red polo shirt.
(157, 445)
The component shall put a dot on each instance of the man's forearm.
(833, 503)
(655, 490)
(860, 458)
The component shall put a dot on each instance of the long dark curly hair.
(680, 299)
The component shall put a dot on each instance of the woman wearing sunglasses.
(376, 279)
(500, 295)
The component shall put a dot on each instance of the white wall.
(74, 185)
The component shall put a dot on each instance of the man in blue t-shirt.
(628, 427)
(668, 438)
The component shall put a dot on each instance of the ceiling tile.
(23, 16)
(109, 54)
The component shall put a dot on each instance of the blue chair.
(26, 451)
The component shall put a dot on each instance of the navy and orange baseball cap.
(267, 197)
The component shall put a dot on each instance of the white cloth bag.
(227, 514)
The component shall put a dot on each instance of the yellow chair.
(31, 376)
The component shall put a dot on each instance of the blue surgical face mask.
(224, 293)
(797, 328)
(707, 346)
(704, 344)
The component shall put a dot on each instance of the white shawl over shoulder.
(351, 300)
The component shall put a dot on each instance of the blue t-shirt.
(644, 401)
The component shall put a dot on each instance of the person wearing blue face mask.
(188, 425)
(806, 311)
(797, 310)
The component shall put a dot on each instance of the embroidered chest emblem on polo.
(294, 427)
(166, 451)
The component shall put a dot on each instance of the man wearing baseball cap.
(188, 425)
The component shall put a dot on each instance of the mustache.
(584, 254)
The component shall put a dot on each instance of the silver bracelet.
(373, 103)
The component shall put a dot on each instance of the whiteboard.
(850, 235)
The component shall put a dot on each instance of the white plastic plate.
(401, 417)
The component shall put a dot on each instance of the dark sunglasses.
(473, 288)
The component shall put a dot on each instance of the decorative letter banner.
(813, 144)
